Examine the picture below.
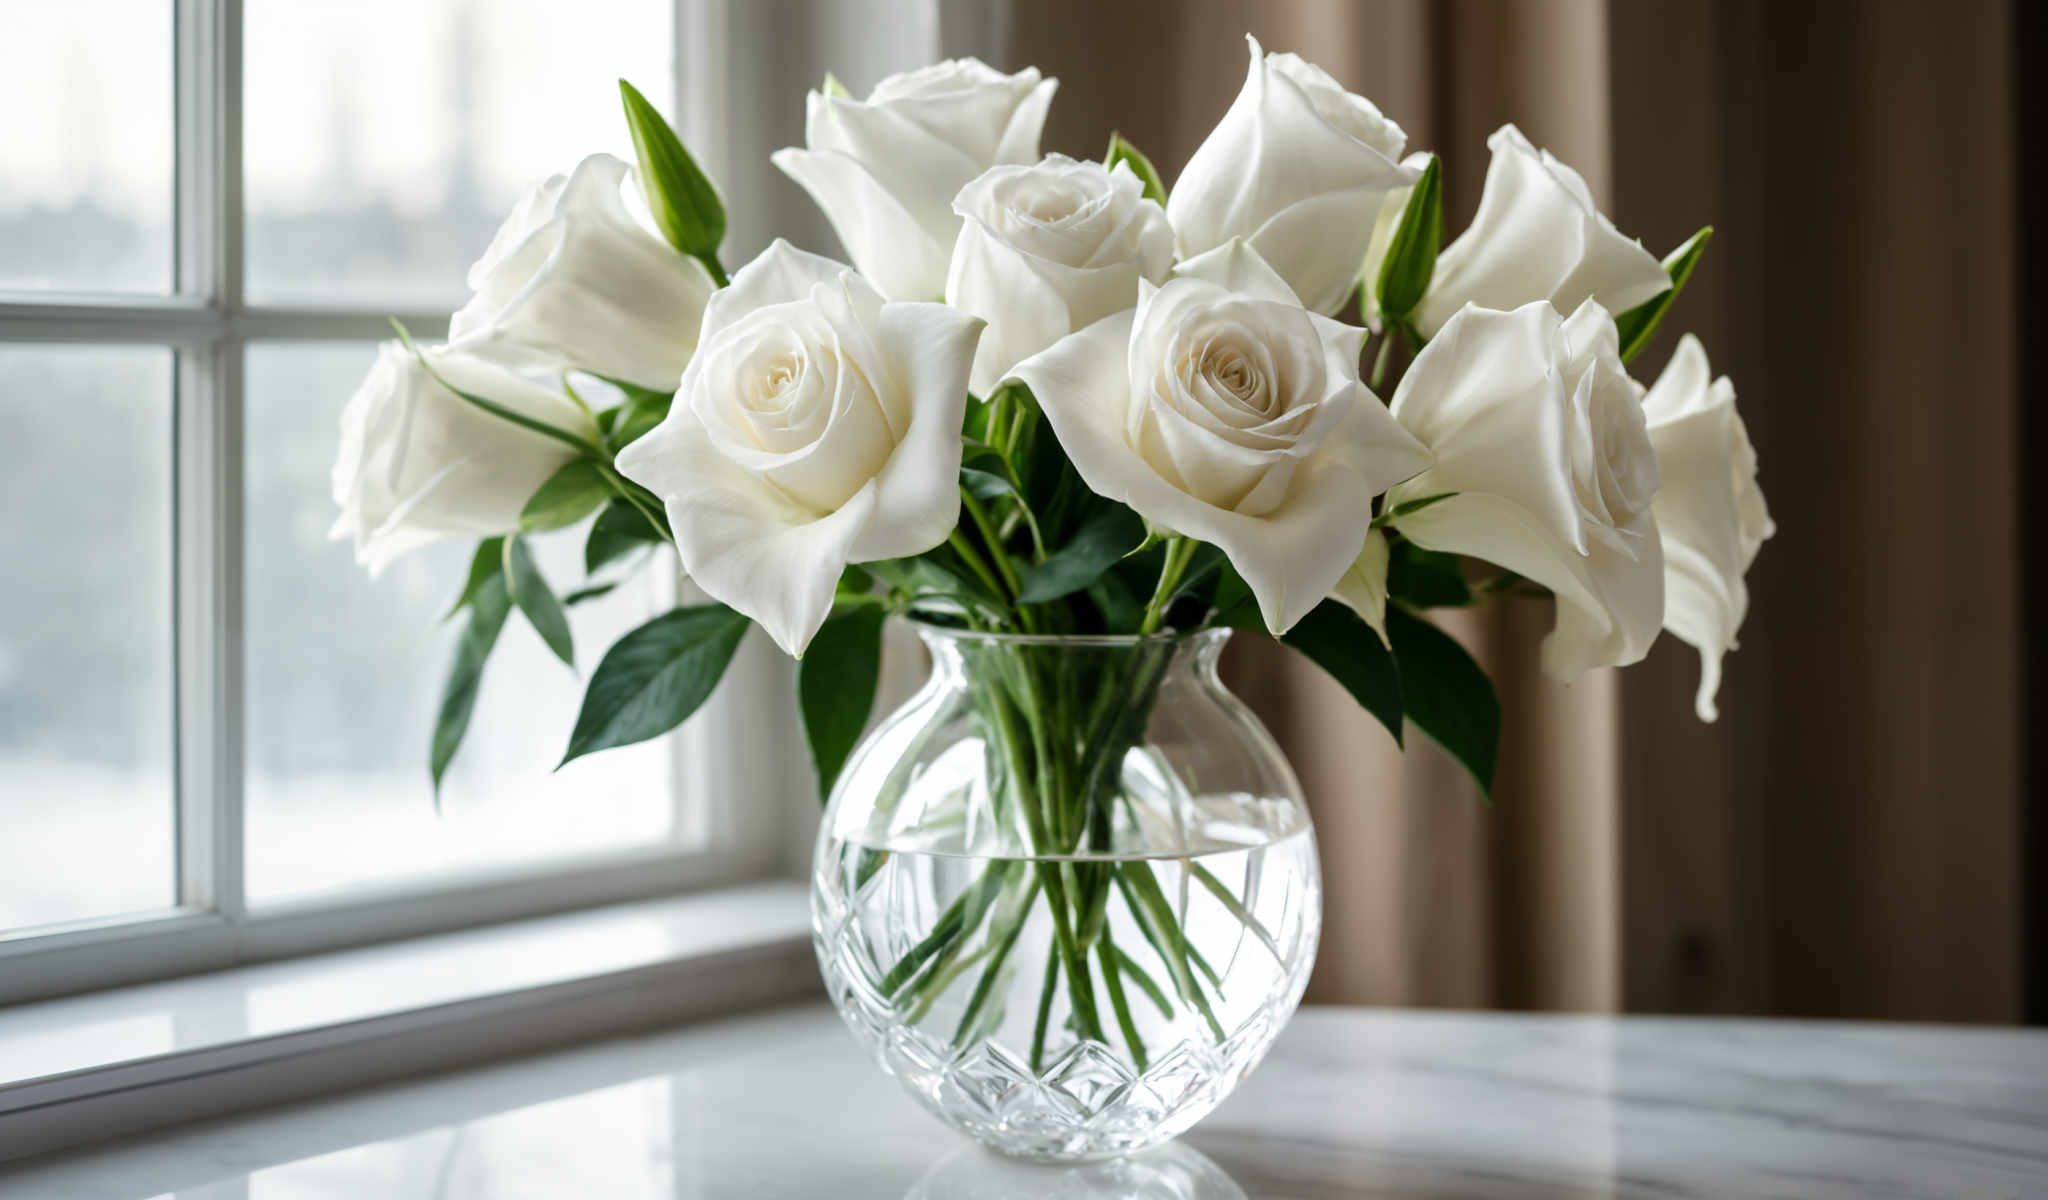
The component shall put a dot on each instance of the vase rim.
(949, 633)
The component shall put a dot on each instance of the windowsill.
(116, 1062)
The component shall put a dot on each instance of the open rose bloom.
(1076, 425)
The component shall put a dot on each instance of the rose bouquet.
(1050, 401)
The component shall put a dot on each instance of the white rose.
(418, 463)
(1363, 589)
(1537, 236)
(1221, 409)
(1299, 168)
(577, 275)
(886, 169)
(817, 426)
(1048, 249)
(1710, 510)
(1539, 430)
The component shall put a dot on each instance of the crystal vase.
(1068, 893)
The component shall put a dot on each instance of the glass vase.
(1067, 893)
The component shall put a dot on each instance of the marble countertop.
(1351, 1103)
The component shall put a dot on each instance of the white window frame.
(731, 793)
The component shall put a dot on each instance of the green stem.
(1178, 551)
(1045, 992)
(1382, 359)
(1138, 976)
(960, 919)
(1018, 416)
(1148, 905)
(1080, 988)
(994, 969)
(962, 547)
(1237, 909)
(627, 492)
(1106, 953)
(994, 542)
(941, 979)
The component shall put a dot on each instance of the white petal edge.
(739, 538)
(917, 502)
(885, 241)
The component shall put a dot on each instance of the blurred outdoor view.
(384, 141)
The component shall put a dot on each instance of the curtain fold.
(1846, 840)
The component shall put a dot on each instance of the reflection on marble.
(1351, 1103)
(1170, 1172)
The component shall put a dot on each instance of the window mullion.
(207, 432)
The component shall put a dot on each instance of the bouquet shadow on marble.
(1078, 427)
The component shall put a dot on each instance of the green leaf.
(653, 678)
(530, 591)
(643, 409)
(634, 393)
(487, 611)
(568, 496)
(1426, 578)
(984, 485)
(1411, 254)
(1108, 533)
(1121, 151)
(686, 207)
(618, 531)
(1334, 638)
(488, 561)
(937, 573)
(1639, 324)
(1122, 609)
(588, 593)
(1446, 694)
(835, 687)
(1409, 508)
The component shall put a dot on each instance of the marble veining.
(1351, 1103)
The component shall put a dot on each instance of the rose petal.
(778, 275)
(886, 242)
(1710, 513)
(921, 169)
(1486, 397)
(740, 539)
(1537, 235)
(1274, 149)
(1025, 313)
(1020, 136)
(1323, 239)
(1237, 266)
(573, 278)
(1363, 589)
(917, 501)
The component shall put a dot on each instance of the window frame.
(723, 835)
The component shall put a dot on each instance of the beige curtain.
(1846, 840)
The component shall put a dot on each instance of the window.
(213, 725)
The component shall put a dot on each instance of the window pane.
(86, 145)
(344, 679)
(386, 139)
(86, 819)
